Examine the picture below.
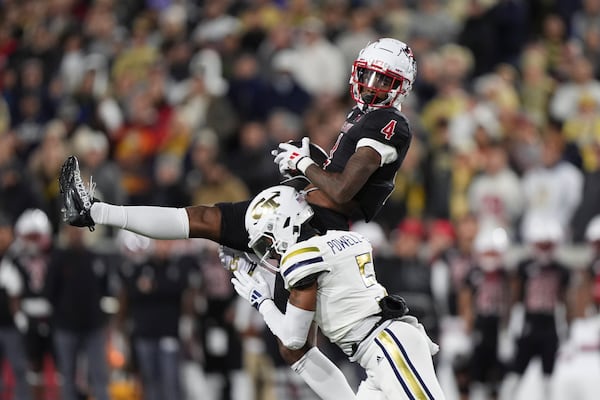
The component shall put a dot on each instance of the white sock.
(323, 376)
(154, 222)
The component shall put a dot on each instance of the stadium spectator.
(554, 187)
(495, 195)
(564, 100)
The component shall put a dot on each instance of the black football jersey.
(542, 285)
(490, 291)
(387, 126)
(33, 272)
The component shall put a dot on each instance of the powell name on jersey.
(344, 265)
(385, 130)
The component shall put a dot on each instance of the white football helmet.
(491, 244)
(383, 74)
(492, 239)
(543, 235)
(33, 230)
(273, 221)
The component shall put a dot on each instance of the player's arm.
(12, 283)
(304, 297)
(581, 294)
(341, 187)
(292, 327)
(515, 288)
(292, 330)
(465, 306)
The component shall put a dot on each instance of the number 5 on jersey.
(366, 269)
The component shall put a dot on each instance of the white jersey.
(348, 291)
(496, 199)
(396, 354)
(553, 192)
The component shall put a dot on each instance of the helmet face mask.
(273, 221)
(263, 245)
(383, 74)
(377, 89)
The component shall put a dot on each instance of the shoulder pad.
(300, 261)
(386, 126)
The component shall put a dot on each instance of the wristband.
(304, 163)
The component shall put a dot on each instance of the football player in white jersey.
(331, 280)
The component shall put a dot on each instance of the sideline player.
(539, 286)
(331, 279)
(25, 267)
(355, 180)
(578, 361)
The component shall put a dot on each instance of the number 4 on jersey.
(388, 130)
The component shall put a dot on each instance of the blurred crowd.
(180, 102)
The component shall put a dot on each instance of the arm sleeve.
(323, 376)
(154, 222)
(388, 153)
(292, 327)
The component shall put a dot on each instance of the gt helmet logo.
(264, 206)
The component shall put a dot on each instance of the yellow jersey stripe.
(299, 251)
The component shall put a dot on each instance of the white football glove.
(290, 157)
(254, 288)
(235, 260)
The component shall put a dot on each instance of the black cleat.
(77, 199)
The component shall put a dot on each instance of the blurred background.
(490, 232)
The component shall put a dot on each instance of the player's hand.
(254, 288)
(291, 157)
(234, 260)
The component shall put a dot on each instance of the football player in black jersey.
(353, 182)
(539, 290)
(483, 305)
(24, 271)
